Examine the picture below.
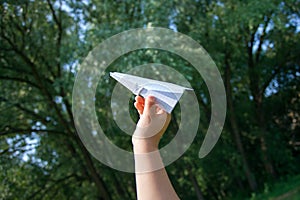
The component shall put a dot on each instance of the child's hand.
(151, 126)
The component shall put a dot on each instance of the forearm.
(152, 180)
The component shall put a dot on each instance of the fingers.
(140, 99)
(145, 105)
(139, 107)
(139, 104)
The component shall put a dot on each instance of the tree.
(254, 44)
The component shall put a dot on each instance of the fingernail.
(151, 98)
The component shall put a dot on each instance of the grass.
(284, 190)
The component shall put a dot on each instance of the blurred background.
(255, 45)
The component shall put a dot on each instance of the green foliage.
(287, 188)
(255, 45)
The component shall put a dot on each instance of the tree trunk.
(262, 130)
(192, 177)
(121, 187)
(102, 189)
(235, 129)
(257, 95)
(196, 186)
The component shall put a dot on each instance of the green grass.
(284, 190)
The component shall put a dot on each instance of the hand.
(151, 126)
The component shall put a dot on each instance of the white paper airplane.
(166, 94)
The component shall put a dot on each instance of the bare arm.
(152, 181)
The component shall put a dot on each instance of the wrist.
(143, 145)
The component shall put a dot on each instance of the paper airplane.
(166, 94)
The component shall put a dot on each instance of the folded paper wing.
(166, 94)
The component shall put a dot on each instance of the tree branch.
(253, 76)
(30, 112)
(17, 70)
(20, 80)
(272, 76)
(59, 35)
(27, 131)
(41, 84)
(46, 189)
(261, 39)
(58, 46)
